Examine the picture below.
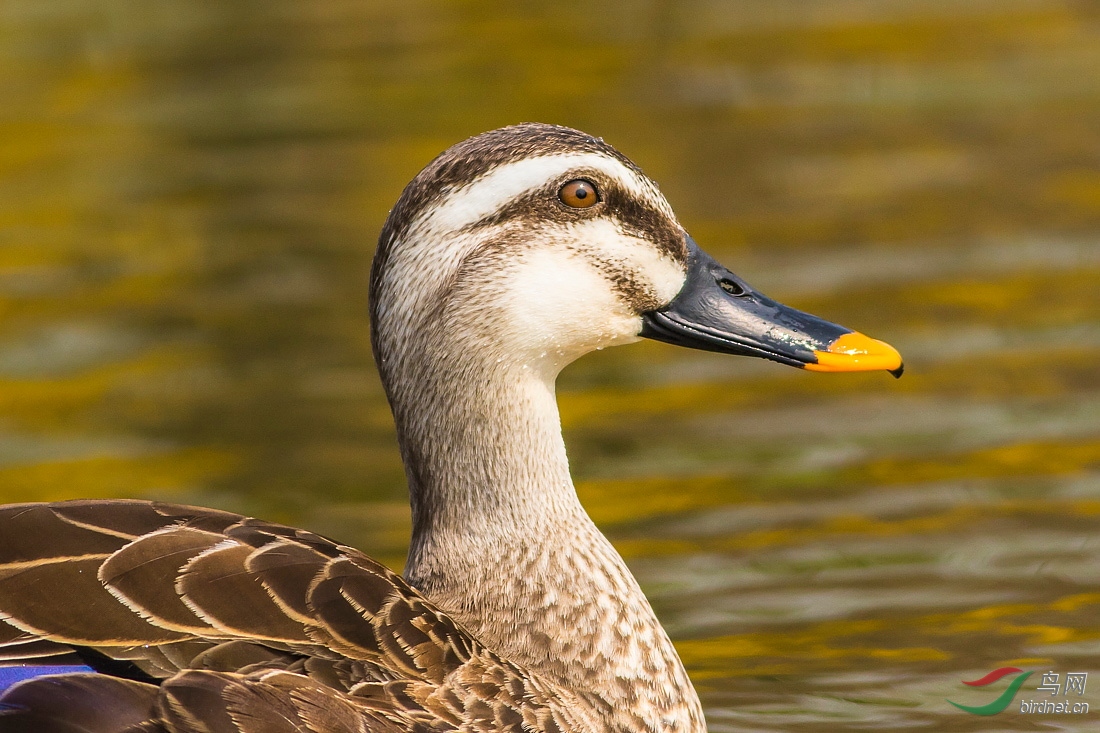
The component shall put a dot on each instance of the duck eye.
(579, 194)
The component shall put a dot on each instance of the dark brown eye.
(580, 194)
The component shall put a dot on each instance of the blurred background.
(190, 192)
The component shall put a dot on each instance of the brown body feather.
(239, 626)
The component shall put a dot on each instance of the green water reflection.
(189, 196)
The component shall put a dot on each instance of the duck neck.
(501, 542)
(484, 456)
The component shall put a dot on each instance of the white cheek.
(604, 240)
(557, 306)
(663, 275)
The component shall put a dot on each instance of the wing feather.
(218, 586)
(68, 586)
(77, 703)
(135, 575)
(245, 626)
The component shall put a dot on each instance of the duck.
(510, 255)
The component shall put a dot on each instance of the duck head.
(534, 244)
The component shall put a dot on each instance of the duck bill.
(718, 311)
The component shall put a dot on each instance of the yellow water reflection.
(189, 196)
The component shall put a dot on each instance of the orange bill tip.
(854, 352)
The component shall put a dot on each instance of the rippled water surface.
(189, 196)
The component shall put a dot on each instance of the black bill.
(718, 311)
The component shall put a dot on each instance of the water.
(189, 196)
